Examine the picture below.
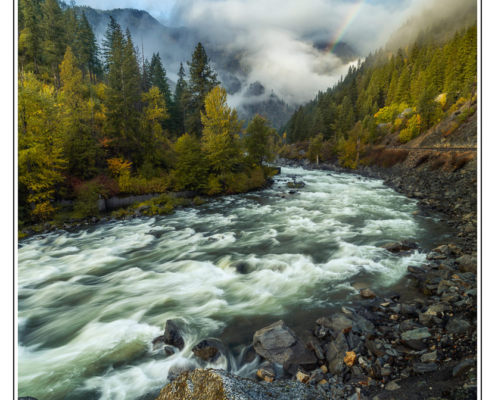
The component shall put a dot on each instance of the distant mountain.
(175, 45)
(342, 50)
(265, 104)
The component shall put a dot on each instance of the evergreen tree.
(191, 168)
(53, 44)
(31, 37)
(179, 109)
(202, 80)
(257, 139)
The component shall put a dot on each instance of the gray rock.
(172, 335)
(177, 369)
(467, 264)
(429, 357)
(267, 371)
(335, 322)
(457, 325)
(392, 386)
(336, 351)
(416, 334)
(278, 343)
(397, 247)
(463, 367)
(422, 368)
(212, 384)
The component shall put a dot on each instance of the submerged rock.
(172, 335)
(209, 350)
(367, 293)
(397, 247)
(216, 384)
(278, 343)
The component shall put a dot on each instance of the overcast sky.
(276, 37)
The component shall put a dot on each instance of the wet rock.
(26, 398)
(177, 369)
(241, 267)
(209, 350)
(421, 368)
(336, 322)
(467, 264)
(266, 372)
(169, 351)
(213, 384)
(457, 325)
(336, 351)
(367, 294)
(158, 343)
(443, 249)
(376, 348)
(278, 343)
(463, 367)
(172, 335)
(397, 247)
(248, 354)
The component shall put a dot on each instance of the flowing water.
(92, 300)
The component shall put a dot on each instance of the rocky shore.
(384, 348)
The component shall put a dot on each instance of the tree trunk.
(357, 156)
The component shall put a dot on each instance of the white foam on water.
(92, 301)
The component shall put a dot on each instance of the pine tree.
(53, 44)
(179, 110)
(257, 139)
(31, 37)
(191, 168)
(123, 91)
(88, 52)
(202, 80)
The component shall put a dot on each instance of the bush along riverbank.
(383, 348)
(158, 204)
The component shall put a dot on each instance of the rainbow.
(339, 34)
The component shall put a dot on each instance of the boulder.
(278, 343)
(172, 335)
(467, 264)
(463, 367)
(336, 322)
(457, 325)
(367, 293)
(397, 247)
(336, 352)
(214, 384)
(209, 350)
(177, 369)
(392, 386)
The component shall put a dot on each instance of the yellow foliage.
(214, 185)
(118, 165)
(125, 181)
(43, 211)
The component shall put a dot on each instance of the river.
(92, 300)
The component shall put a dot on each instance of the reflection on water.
(91, 301)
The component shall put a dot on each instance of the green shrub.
(86, 204)
(198, 201)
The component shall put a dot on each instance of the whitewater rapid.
(91, 300)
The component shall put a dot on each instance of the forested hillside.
(102, 121)
(406, 91)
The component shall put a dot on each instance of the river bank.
(302, 216)
(387, 348)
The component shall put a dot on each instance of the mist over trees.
(98, 121)
(409, 91)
